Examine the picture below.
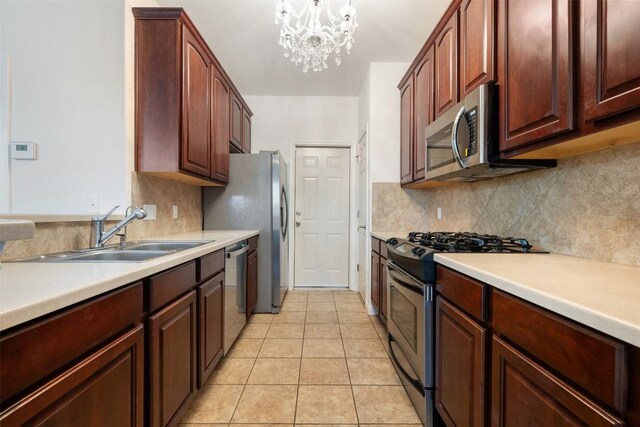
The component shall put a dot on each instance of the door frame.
(352, 281)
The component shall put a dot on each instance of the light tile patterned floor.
(321, 361)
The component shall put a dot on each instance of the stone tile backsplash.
(589, 206)
(145, 189)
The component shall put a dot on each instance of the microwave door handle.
(454, 138)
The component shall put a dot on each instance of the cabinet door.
(246, 131)
(219, 126)
(525, 394)
(460, 367)
(252, 281)
(477, 41)
(383, 290)
(423, 111)
(536, 80)
(446, 71)
(172, 360)
(195, 148)
(210, 319)
(236, 122)
(610, 57)
(406, 132)
(104, 390)
(375, 279)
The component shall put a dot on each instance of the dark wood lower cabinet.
(172, 364)
(383, 290)
(460, 367)
(252, 281)
(105, 389)
(375, 279)
(525, 394)
(210, 325)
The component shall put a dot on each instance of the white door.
(322, 217)
(362, 216)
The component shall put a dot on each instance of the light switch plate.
(175, 211)
(151, 212)
(439, 213)
(26, 150)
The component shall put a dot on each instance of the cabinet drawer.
(167, 286)
(375, 245)
(32, 353)
(253, 244)
(590, 360)
(466, 293)
(383, 249)
(209, 265)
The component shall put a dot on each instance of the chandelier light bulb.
(314, 33)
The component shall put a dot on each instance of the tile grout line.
(346, 362)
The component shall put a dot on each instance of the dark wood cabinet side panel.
(524, 394)
(211, 326)
(477, 44)
(220, 122)
(172, 361)
(465, 292)
(460, 367)
(106, 389)
(252, 282)
(536, 81)
(610, 57)
(158, 97)
(406, 132)
(375, 279)
(424, 97)
(446, 63)
(195, 147)
(633, 414)
(32, 353)
(569, 349)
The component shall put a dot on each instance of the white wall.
(277, 120)
(67, 95)
(384, 120)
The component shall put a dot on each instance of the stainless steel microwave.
(462, 144)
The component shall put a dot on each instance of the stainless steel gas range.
(411, 273)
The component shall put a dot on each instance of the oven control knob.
(418, 251)
(392, 241)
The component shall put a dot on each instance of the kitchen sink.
(136, 251)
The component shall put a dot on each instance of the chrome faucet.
(99, 237)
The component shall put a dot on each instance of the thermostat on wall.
(23, 150)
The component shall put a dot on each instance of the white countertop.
(386, 235)
(602, 295)
(31, 289)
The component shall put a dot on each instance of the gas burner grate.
(470, 242)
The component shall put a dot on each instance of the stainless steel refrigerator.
(256, 198)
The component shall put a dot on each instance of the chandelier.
(309, 41)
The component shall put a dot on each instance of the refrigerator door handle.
(284, 214)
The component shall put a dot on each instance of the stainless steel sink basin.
(137, 251)
(150, 245)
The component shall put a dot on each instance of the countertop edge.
(96, 287)
(600, 321)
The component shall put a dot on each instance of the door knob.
(297, 223)
(298, 213)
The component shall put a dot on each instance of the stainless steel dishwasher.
(235, 287)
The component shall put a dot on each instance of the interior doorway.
(362, 215)
(321, 217)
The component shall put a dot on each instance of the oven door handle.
(413, 381)
(400, 280)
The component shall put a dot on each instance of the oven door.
(406, 323)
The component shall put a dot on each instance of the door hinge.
(358, 267)
(358, 213)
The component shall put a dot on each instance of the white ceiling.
(242, 35)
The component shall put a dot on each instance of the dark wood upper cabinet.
(525, 394)
(406, 132)
(446, 63)
(236, 122)
(477, 44)
(460, 367)
(246, 131)
(252, 281)
(172, 361)
(195, 113)
(220, 99)
(104, 389)
(536, 55)
(210, 325)
(423, 110)
(610, 57)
